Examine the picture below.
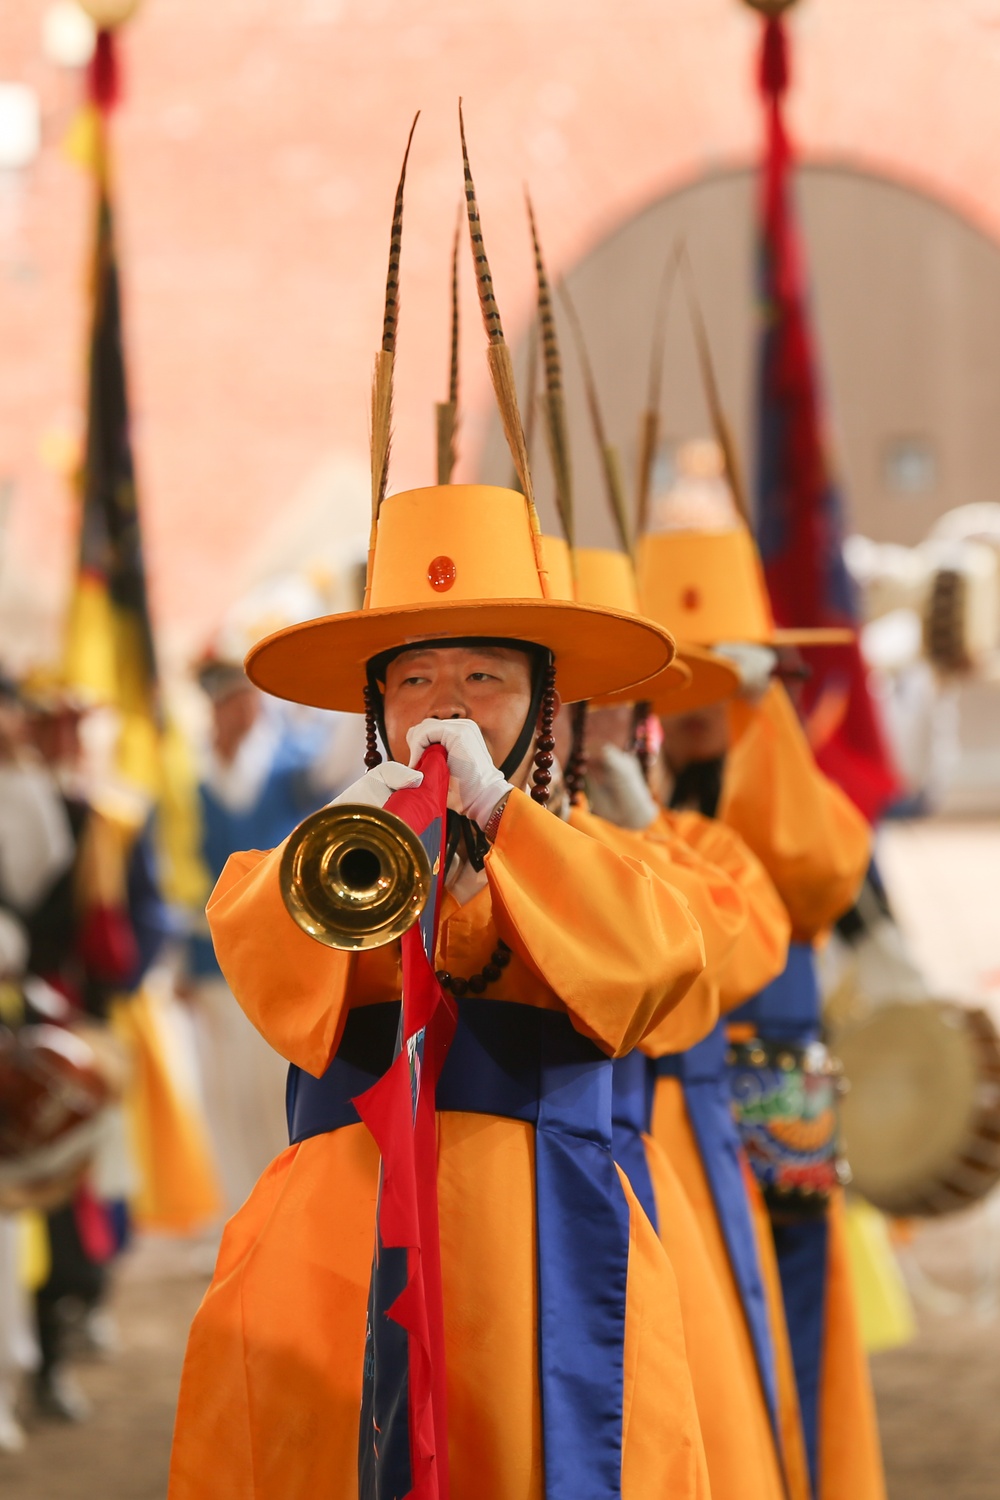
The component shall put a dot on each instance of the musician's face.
(695, 737)
(489, 684)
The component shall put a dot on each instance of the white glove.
(475, 784)
(618, 789)
(755, 665)
(377, 785)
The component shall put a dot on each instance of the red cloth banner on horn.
(403, 1445)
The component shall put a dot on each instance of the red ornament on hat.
(441, 573)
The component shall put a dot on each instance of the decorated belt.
(785, 1102)
(785, 1086)
(523, 1063)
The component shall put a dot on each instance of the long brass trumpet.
(354, 876)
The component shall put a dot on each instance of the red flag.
(800, 522)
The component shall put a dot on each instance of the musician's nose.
(446, 713)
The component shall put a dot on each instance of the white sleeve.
(36, 842)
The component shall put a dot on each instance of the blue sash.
(632, 1113)
(522, 1063)
(788, 1009)
(701, 1070)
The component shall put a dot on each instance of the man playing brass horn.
(566, 1372)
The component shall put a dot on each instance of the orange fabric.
(739, 1447)
(850, 1456)
(745, 929)
(761, 952)
(179, 1191)
(272, 1377)
(265, 1405)
(815, 846)
(789, 1416)
(810, 838)
(672, 1133)
(715, 902)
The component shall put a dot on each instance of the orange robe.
(815, 845)
(743, 1462)
(271, 1389)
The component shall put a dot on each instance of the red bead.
(544, 758)
(542, 778)
(546, 743)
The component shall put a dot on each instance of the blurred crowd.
(133, 1092)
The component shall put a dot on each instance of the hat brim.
(323, 663)
(711, 680)
(676, 676)
(826, 635)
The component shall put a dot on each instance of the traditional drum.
(921, 1118)
(53, 1090)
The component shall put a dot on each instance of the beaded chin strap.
(576, 765)
(373, 755)
(545, 743)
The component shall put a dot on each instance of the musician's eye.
(413, 681)
(482, 677)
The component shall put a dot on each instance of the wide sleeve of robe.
(716, 902)
(808, 835)
(292, 988)
(615, 944)
(761, 949)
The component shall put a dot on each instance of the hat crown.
(446, 543)
(707, 586)
(558, 564)
(606, 577)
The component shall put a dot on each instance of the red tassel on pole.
(774, 59)
(104, 74)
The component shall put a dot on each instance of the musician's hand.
(377, 786)
(618, 790)
(755, 665)
(476, 785)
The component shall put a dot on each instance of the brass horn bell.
(354, 876)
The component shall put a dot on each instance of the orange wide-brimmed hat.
(708, 586)
(454, 561)
(696, 678)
